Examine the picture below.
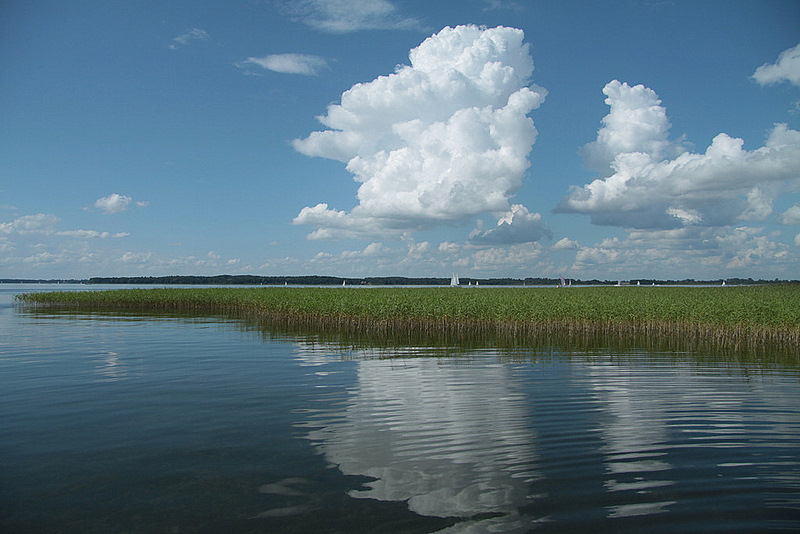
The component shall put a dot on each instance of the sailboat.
(454, 281)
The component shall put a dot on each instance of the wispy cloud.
(285, 63)
(195, 34)
(344, 16)
(490, 5)
(91, 234)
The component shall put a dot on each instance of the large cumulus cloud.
(442, 139)
(648, 181)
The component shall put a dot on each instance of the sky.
(491, 138)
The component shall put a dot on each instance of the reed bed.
(757, 318)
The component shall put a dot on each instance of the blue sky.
(607, 140)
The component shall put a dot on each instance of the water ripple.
(461, 439)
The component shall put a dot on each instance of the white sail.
(454, 280)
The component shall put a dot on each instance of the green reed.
(720, 317)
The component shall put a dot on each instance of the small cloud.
(685, 216)
(566, 244)
(115, 203)
(792, 215)
(136, 257)
(373, 249)
(786, 69)
(515, 226)
(491, 5)
(91, 234)
(195, 34)
(40, 223)
(286, 63)
(345, 16)
(448, 247)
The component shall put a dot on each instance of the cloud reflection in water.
(451, 440)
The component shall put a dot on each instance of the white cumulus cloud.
(286, 63)
(442, 139)
(643, 186)
(787, 68)
(636, 123)
(792, 215)
(686, 252)
(115, 203)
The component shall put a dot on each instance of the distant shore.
(750, 318)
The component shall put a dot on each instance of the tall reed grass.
(688, 318)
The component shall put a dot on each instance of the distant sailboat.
(454, 281)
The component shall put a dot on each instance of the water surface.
(140, 423)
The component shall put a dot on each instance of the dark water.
(180, 424)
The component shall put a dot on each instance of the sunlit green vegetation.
(718, 316)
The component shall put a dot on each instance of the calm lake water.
(125, 423)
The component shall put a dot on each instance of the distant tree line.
(314, 280)
(311, 280)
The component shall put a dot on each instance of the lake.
(167, 423)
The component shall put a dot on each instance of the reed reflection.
(450, 439)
